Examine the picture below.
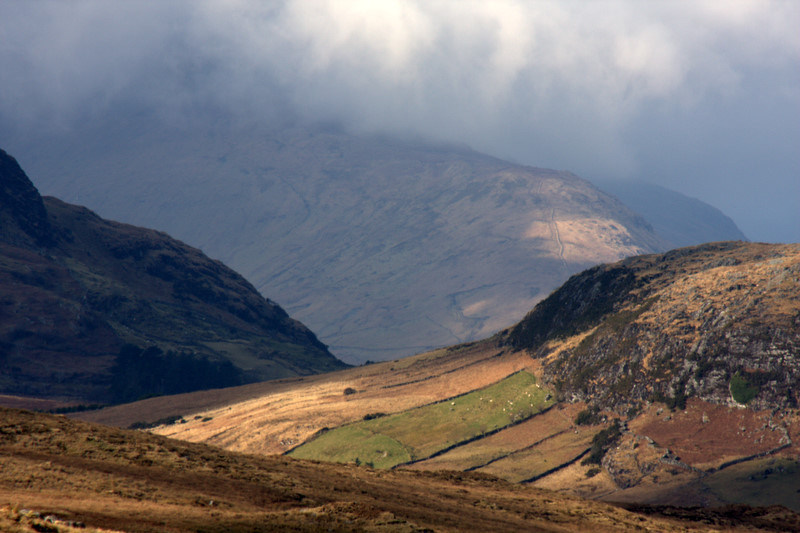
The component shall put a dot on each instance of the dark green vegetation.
(76, 288)
(601, 443)
(417, 434)
(741, 390)
(138, 373)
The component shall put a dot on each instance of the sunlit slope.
(696, 352)
(416, 434)
(718, 322)
(276, 416)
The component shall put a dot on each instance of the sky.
(702, 97)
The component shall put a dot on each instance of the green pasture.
(421, 432)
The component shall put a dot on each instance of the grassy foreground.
(57, 473)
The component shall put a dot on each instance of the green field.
(419, 433)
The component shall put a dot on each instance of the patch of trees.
(143, 372)
(601, 443)
(589, 417)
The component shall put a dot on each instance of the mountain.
(660, 379)
(63, 475)
(384, 247)
(679, 219)
(99, 311)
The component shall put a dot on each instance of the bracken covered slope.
(57, 473)
(719, 322)
(77, 288)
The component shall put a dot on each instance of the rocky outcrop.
(717, 322)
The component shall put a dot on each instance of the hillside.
(711, 322)
(98, 311)
(666, 378)
(678, 219)
(64, 475)
(383, 247)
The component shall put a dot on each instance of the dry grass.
(132, 481)
(274, 417)
(535, 461)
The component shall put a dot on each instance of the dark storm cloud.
(703, 97)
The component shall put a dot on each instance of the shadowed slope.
(77, 288)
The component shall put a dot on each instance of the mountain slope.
(695, 322)
(383, 247)
(77, 289)
(59, 473)
(679, 219)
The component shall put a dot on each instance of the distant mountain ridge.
(78, 288)
(679, 219)
(385, 247)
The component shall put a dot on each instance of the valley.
(399, 267)
(633, 438)
(657, 383)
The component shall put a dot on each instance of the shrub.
(166, 421)
(742, 391)
(592, 472)
(601, 443)
(588, 417)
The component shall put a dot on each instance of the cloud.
(586, 86)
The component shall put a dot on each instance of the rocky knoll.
(718, 322)
(89, 303)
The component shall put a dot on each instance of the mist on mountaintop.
(700, 97)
